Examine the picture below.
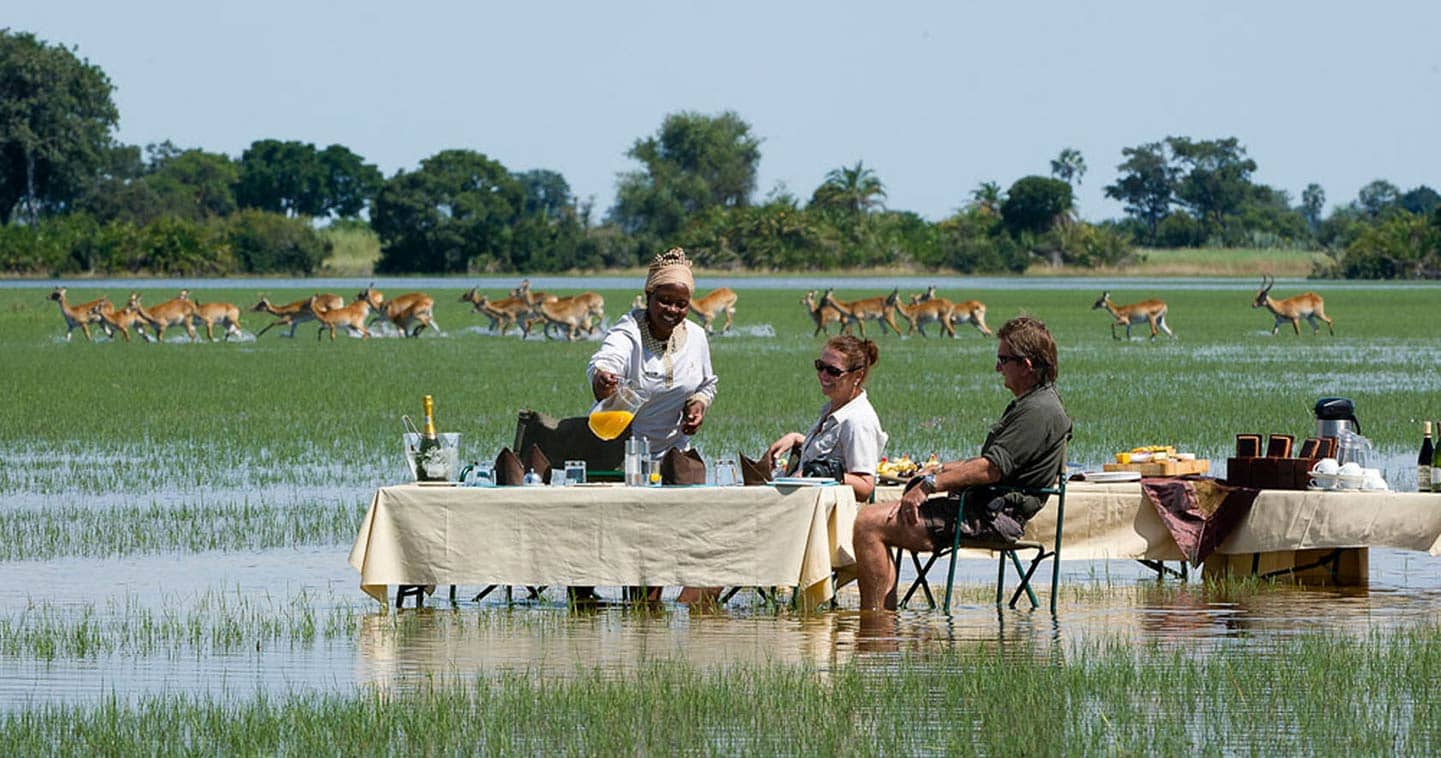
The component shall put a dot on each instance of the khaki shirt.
(1027, 445)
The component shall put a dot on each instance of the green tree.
(547, 193)
(194, 184)
(1035, 204)
(1420, 201)
(1400, 246)
(1215, 176)
(693, 163)
(1069, 166)
(1146, 185)
(350, 182)
(1377, 197)
(455, 214)
(56, 118)
(296, 179)
(1313, 203)
(854, 190)
(262, 242)
(987, 198)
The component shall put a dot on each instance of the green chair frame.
(1004, 550)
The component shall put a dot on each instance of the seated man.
(1023, 449)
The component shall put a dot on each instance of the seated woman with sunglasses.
(846, 443)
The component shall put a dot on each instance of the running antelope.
(1147, 311)
(352, 317)
(413, 309)
(77, 316)
(859, 311)
(1307, 305)
(224, 314)
(720, 300)
(296, 313)
(503, 313)
(819, 313)
(573, 314)
(122, 320)
(177, 311)
(971, 312)
(920, 312)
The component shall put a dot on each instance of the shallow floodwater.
(232, 624)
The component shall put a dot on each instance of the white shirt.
(852, 434)
(675, 374)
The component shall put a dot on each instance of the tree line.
(73, 199)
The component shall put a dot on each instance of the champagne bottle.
(428, 456)
(1425, 460)
(1436, 469)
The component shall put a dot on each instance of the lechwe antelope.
(720, 300)
(859, 311)
(77, 316)
(352, 317)
(920, 312)
(503, 313)
(1307, 305)
(410, 313)
(821, 314)
(177, 311)
(224, 314)
(971, 312)
(122, 320)
(296, 313)
(1151, 311)
(573, 314)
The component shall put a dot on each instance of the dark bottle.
(428, 457)
(1425, 460)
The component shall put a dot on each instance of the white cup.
(1327, 466)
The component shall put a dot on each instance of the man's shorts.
(941, 515)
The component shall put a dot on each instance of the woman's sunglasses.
(830, 370)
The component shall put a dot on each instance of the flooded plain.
(232, 623)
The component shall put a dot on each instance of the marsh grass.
(290, 405)
(1316, 694)
(354, 250)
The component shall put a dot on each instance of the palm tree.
(856, 190)
(986, 198)
(1069, 165)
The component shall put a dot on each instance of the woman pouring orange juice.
(655, 352)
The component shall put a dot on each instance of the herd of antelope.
(584, 314)
(924, 308)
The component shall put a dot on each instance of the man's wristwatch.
(928, 484)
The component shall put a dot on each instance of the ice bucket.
(441, 465)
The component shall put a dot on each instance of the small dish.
(803, 481)
(1107, 477)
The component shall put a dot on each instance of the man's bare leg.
(878, 530)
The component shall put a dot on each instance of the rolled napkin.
(682, 467)
(536, 461)
(508, 471)
(754, 473)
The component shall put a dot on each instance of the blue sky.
(935, 97)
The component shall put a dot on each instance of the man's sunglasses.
(831, 370)
(1004, 359)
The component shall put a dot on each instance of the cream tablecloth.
(1105, 521)
(607, 536)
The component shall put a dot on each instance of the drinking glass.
(574, 472)
(482, 474)
(557, 477)
(727, 474)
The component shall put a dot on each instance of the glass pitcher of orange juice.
(611, 415)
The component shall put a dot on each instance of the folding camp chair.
(1005, 551)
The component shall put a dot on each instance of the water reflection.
(357, 644)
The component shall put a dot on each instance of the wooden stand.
(1168, 467)
(1342, 566)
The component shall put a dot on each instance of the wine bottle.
(1425, 460)
(428, 456)
(1436, 468)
